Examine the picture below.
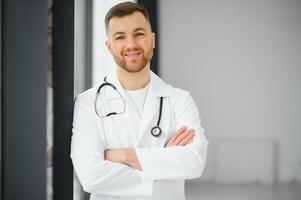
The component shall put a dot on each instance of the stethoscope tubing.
(155, 131)
(160, 111)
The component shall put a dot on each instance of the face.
(130, 41)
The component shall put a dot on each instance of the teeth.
(131, 54)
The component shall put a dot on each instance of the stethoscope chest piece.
(156, 131)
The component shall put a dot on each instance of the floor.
(199, 191)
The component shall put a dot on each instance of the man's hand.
(123, 155)
(128, 156)
(182, 137)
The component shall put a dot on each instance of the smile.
(132, 55)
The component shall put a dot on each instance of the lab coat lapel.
(122, 126)
(157, 89)
(151, 108)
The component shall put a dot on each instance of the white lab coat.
(164, 169)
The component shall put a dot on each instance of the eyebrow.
(139, 29)
(118, 33)
(135, 30)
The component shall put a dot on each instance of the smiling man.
(134, 56)
(134, 136)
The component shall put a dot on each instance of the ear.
(153, 40)
(109, 46)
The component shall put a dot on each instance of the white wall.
(79, 46)
(241, 61)
(102, 61)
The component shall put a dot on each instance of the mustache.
(128, 50)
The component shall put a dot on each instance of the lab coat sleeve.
(87, 153)
(177, 162)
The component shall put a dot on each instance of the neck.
(135, 80)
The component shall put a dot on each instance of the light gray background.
(241, 62)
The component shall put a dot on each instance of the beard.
(135, 65)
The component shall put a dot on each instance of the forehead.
(128, 23)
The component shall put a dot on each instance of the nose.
(131, 43)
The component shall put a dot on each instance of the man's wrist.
(128, 155)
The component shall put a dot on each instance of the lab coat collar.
(109, 92)
(157, 87)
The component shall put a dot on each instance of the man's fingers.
(187, 139)
(177, 133)
(183, 136)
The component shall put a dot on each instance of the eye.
(119, 37)
(139, 34)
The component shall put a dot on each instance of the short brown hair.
(124, 9)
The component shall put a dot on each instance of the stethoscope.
(155, 131)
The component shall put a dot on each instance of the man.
(135, 137)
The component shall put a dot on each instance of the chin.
(134, 68)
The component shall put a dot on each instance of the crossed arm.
(128, 156)
(132, 172)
